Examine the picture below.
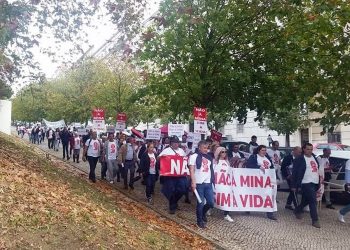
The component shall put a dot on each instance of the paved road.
(252, 231)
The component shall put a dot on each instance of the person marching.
(173, 187)
(127, 159)
(287, 169)
(261, 160)
(221, 164)
(306, 175)
(111, 150)
(202, 177)
(92, 152)
(149, 169)
(76, 150)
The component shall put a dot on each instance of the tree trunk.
(287, 139)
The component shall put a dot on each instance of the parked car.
(332, 146)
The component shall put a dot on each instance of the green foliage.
(235, 56)
(72, 96)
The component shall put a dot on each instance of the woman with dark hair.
(261, 160)
(149, 170)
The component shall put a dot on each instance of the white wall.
(252, 128)
(5, 116)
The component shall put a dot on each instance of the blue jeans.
(150, 183)
(345, 210)
(205, 191)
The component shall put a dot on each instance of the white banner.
(200, 127)
(176, 129)
(242, 189)
(153, 134)
(58, 124)
(99, 125)
(120, 126)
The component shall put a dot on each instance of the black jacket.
(145, 163)
(64, 135)
(287, 161)
(299, 168)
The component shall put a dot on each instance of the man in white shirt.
(275, 156)
(173, 188)
(305, 175)
(92, 152)
(202, 176)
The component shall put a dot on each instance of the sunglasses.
(223, 152)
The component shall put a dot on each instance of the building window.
(334, 137)
(240, 128)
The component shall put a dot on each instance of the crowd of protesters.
(127, 159)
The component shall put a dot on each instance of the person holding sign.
(173, 185)
(148, 163)
(262, 161)
(221, 164)
(202, 176)
(305, 175)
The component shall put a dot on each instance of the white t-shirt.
(112, 150)
(76, 143)
(275, 156)
(170, 151)
(50, 134)
(203, 174)
(311, 172)
(222, 165)
(152, 163)
(264, 162)
(94, 149)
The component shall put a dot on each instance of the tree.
(235, 56)
(287, 122)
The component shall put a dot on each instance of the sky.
(50, 65)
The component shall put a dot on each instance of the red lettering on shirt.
(205, 165)
(112, 148)
(313, 166)
(266, 163)
(96, 146)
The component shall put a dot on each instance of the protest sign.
(121, 121)
(153, 134)
(200, 127)
(98, 125)
(120, 126)
(200, 114)
(176, 129)
(194, 138)
(215, 135)
(98, 114)
(81, 131)
(110, 129)
(241, 189)
(173, 165)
